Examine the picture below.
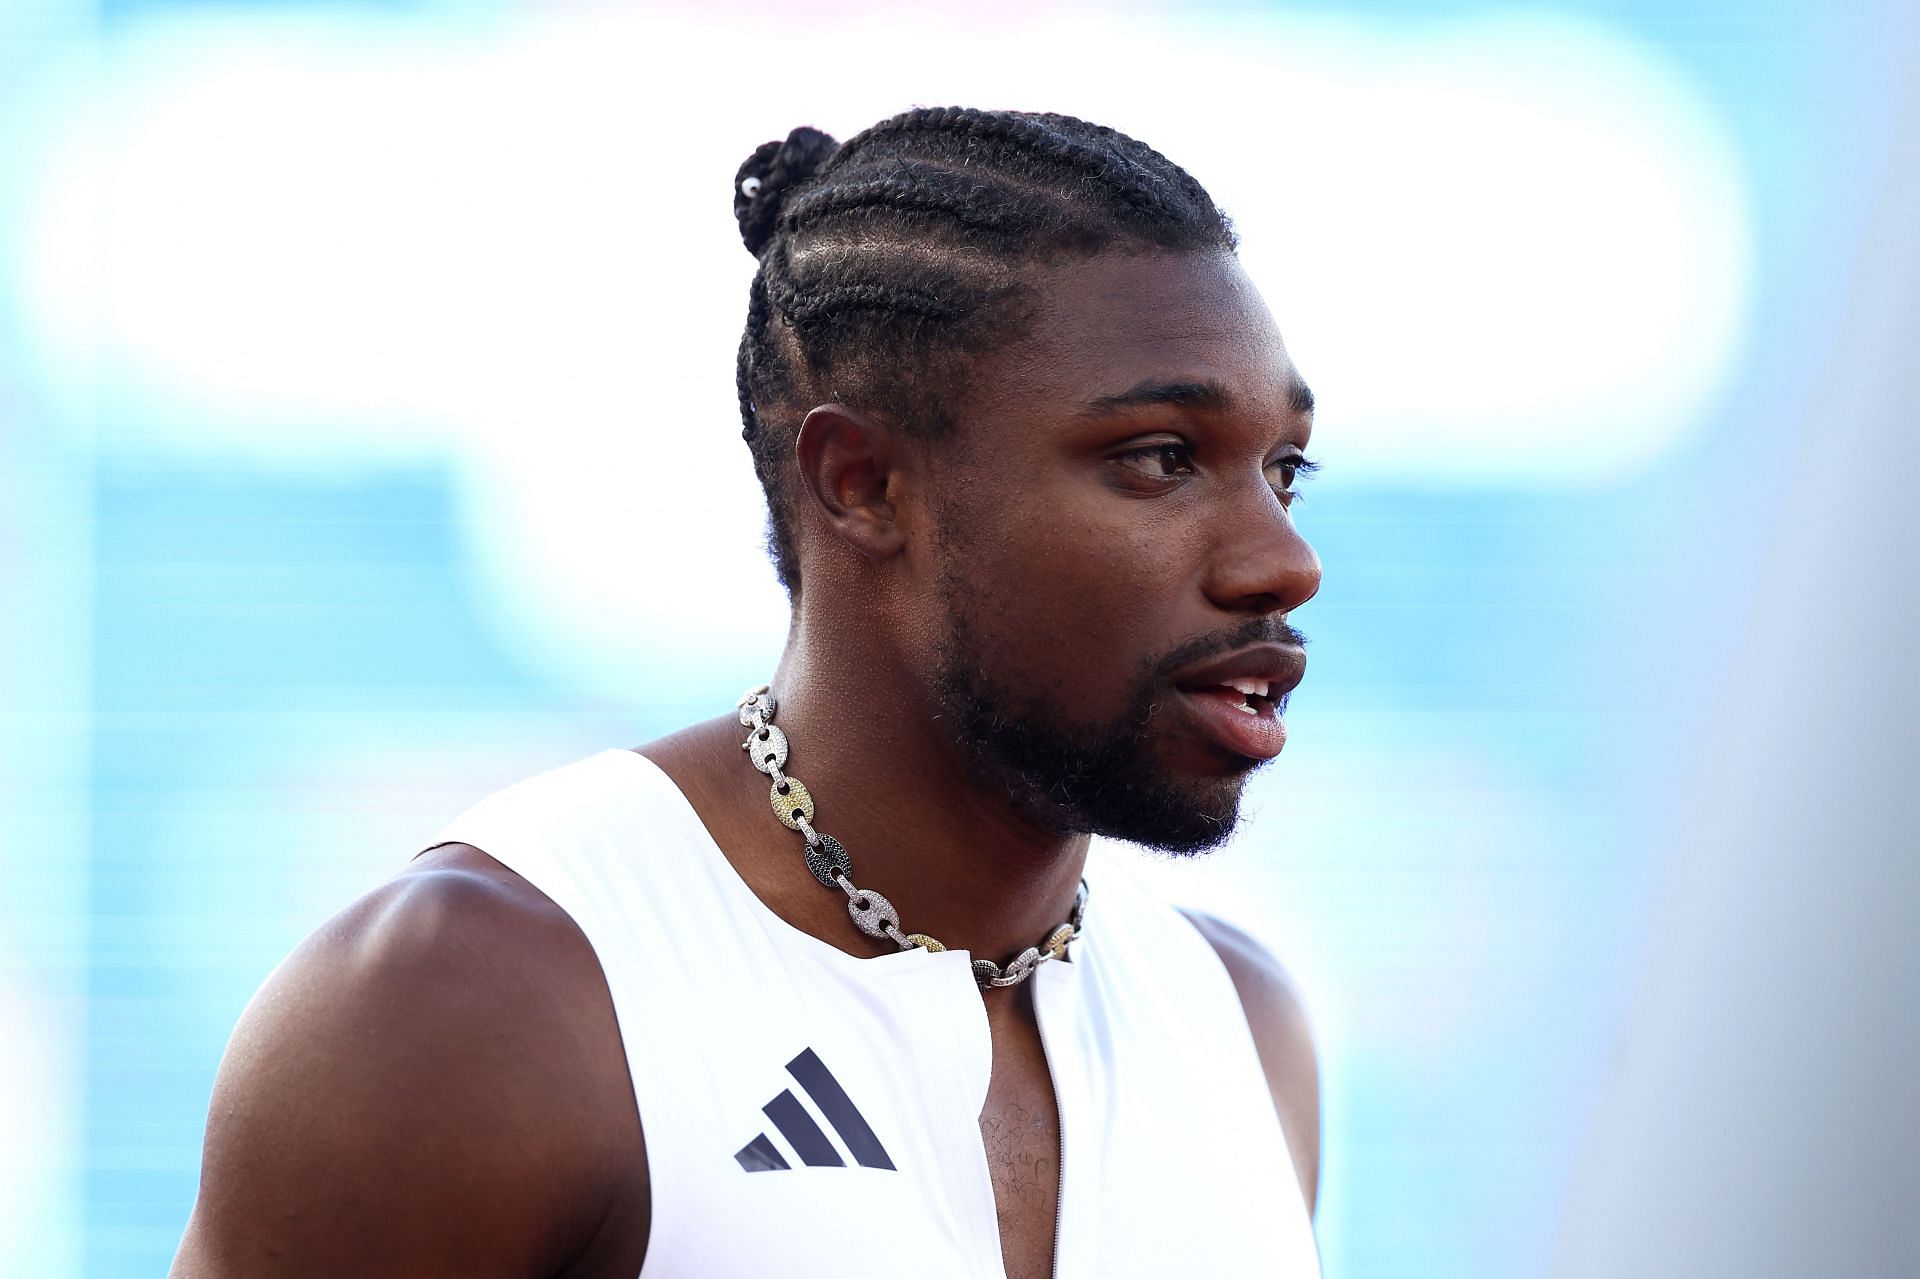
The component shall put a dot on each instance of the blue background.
(234, 696)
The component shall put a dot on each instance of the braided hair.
(889, 262)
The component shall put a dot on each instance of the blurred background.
(368, 441)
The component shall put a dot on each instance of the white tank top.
(810, 1113)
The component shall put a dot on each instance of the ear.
(848, 463)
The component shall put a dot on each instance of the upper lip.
(1281, 665)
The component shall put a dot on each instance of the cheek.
(1085, 596)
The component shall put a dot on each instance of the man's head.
(1004, 378)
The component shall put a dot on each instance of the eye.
(1285, 472)
(1165, 460)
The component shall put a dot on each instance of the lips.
(1237, 699)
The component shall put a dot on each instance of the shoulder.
(443, 1050)
(1283, 1037)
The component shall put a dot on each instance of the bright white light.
(1504, 251)
(39, 1128)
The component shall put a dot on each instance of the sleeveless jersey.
(812, 1113)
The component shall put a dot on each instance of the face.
(1114, 556)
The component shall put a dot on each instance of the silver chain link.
(872, 913)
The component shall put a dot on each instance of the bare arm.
(1284, 1040)
(421, 1089)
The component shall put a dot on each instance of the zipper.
(1060, 1124)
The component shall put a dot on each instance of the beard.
(1076, 777)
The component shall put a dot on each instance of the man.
(1029, 439)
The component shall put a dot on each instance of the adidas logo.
(803, 1136)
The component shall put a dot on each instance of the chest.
(759, 1135)
(1020, 1135)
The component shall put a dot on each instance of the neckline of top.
(733, 885)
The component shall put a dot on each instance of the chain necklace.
(872, 914)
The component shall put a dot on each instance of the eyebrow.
(1300, 397)
(1197, 395)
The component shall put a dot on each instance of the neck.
(951, 853)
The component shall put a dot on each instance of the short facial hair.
(1102, 778)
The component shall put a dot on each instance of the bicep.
(380, 1110)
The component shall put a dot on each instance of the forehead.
(1104, 324)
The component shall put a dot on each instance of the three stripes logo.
(795, 1124)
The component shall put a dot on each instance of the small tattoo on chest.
(1023, 1150)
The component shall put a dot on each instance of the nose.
(1260, 563)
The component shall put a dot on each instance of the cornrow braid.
(891, 262)
(1109, 158)
(975, 204)
(803, 307)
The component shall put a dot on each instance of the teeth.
(1248, 709)
(1258, 687)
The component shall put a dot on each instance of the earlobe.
(847, 461)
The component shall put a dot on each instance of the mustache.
(1270, 629)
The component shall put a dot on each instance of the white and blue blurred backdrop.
(367, 441)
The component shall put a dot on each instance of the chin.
(1182, 819)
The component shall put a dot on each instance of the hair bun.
(761, 184)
